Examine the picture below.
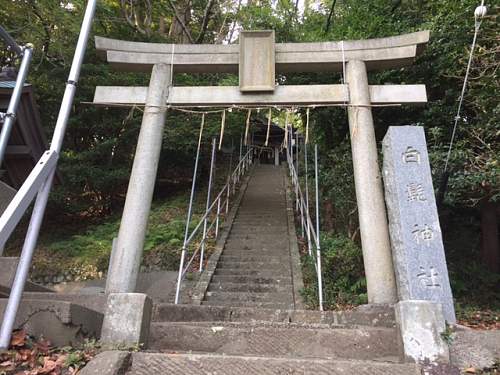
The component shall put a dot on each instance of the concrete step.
(252, 243)
(242, 257)
(276, 265)
(254, 288)
(367, 315)
(250, 304)
(281, 340)
(281, 276)
(263, 237)
(261, 229)
(227, 297)
(256, 251)
(250, 279)
(202, 364)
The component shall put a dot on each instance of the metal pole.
(10, 116)
(306, 167)
(41, 201)
(228, 193)
(190, 209)
(240, 164)
(297, 167)
(11, 43)
(217, 219)
(212, 162)
(318, 250)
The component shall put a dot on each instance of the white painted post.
(130, 243)
(205, 223)
(369, 194)
(217, 219)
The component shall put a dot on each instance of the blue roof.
(10, 84)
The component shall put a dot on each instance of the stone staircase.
(254, 269)
(250, 321)
(253, 340)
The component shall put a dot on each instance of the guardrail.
(9, 118)
(212, 214)
(38, 184)
(310, 230)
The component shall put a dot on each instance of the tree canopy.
(99, 143)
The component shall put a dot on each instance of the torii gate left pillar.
(127, 252)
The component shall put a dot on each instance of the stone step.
(251, 279)
(282, 277)
(250, 304)
(249, 243)
(227, 297)
(261, 229)
(367, 315)
(202, 364)
(254, 265)
(365, 343)
(262, 237)
(242, 257)
(259, 223)
(256, 251)
(250, 287)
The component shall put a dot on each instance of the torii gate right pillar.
(373, 226)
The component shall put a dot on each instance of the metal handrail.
(26, 53)
(38, 184)
(219, 201)
(308, 228)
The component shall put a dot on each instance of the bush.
(344, 283)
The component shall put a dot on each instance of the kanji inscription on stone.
(417, 244)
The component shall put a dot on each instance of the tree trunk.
(176, 29)
(329, 215)
(490, 251)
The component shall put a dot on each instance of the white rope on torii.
(479, 14)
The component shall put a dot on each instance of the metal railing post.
(10, 115)
(241, 150)
(306, 168)
(217, 219)
(43, 195)
(228, 193)
(190, 210)
(318, 249)
(212, 162)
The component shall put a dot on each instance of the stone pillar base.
(126, 320)
(420, 325)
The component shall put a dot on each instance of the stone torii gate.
(257, 59)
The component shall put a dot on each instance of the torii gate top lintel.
(257, 58)
(379, 53)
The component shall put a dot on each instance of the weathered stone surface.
(111, 362)
(156, 363)
(472, 348)
(61, 322)
(366, 315)
(382, 53)
(256, 61)
(127, 318)
(276, 339)
(420, 325)
(417, 245)
(373, 227)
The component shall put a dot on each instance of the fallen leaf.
(470, 370)
(18, 338)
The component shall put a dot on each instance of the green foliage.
(344, 283)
